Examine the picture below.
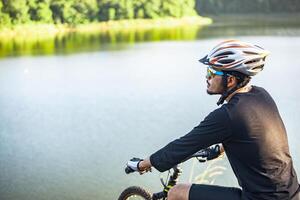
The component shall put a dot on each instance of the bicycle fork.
(171, 183)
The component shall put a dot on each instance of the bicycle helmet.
(236, 58)
(235, 55)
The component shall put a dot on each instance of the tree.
(73, 11)
(57, 8)
(152, 9)
(86, 9)
(171, 8)
(17, 10)
(188, 8)
(44, 13)
(4, 17)
(107, 9)
(39, 10)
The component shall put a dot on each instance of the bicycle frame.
(203, 154)
(172, 181)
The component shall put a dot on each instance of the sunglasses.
(212, 73)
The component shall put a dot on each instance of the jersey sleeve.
(213, 129)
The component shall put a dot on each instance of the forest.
(14, 12)
(86, 11)
(219, 7)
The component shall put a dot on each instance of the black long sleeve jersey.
(255, 141)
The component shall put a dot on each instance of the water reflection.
(81, 42)
(227, 26)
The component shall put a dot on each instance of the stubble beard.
(217, 91)
(212, 93)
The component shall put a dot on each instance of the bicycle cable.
(167, 179)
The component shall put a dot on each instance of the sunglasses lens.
(209, 73)
(212, 73)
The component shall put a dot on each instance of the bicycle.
(137, 192)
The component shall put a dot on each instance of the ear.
(231, 81)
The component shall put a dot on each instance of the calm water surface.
(69, 123)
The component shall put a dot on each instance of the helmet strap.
(224, 94)
(241, 83)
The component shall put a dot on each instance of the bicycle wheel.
(135, 193)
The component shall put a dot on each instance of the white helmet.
(234, 55)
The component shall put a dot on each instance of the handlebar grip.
(159, 195)
(128, 170)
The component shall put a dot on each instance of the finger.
(141, 173)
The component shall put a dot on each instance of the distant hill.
(215, 7)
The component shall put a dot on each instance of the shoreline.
(44, 31)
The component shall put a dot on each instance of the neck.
(244, 89)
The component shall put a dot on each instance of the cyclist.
(248, 126)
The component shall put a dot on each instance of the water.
(69, 123)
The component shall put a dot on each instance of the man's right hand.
(133, 165)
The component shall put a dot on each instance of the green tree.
(105, 9)
(153, 9)
(86, 10)
(4, 17)
(139, 7)
(83, 11)
(71, 15)
(129, 9)
(57, 8)
(111, 13)
(17, 10)
(39, 10)
(171, 8)
(44, 13)
(74, 11)
(188, 8)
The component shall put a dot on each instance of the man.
(248, 126)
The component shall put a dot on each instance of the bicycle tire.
(135, 191)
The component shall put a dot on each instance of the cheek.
(220, 86)
(217, 84)
(214, 82)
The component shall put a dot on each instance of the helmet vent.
(259, 67)
(226, 61)
(249, 52)
(226, 53)
(258, 47)
(252, 61)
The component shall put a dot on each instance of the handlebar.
(128, 170)
(159, 195)
(202, 155)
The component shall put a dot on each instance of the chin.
(212, 92)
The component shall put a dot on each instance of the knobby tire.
(135, 191)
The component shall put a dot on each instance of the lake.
(70, 119)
